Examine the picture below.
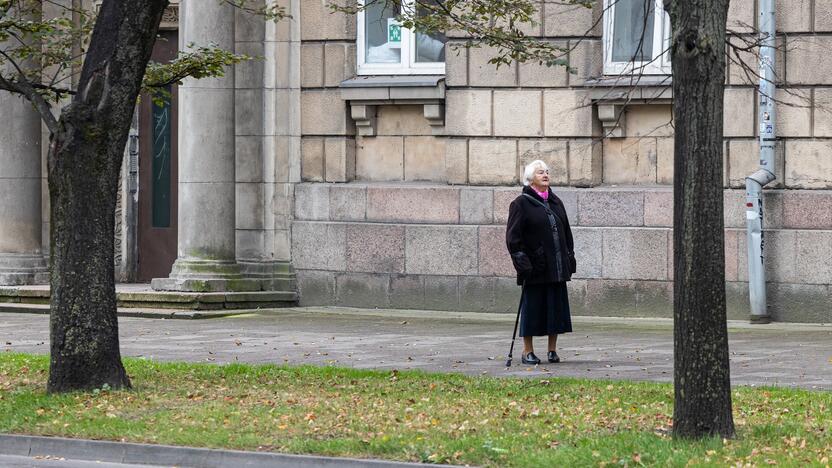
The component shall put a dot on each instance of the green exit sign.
(394, 33)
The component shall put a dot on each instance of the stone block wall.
(414, 219)
(267, 136)
(440, 247)
(498, 120)
(327, 57)
(404, 148)
(803, 160)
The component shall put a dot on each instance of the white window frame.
(660, 65)
(411, 67)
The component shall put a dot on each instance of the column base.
(213, 276)
(760, 319)
(21, 269)
(274, 276)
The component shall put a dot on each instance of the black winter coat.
(531, 243)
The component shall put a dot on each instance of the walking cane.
(516, 321)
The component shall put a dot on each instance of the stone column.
(206, 244)
(21, 256)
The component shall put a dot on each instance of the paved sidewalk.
(637, 349)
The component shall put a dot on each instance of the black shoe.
(530, 359)
(553, 357)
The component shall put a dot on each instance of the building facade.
(369, 166)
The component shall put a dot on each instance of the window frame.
(410, 67)
(660, 65)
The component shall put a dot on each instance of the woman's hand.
(522, 264)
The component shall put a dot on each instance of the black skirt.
(544, 310)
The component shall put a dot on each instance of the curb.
(149, 454)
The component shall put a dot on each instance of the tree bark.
(84, 161)
(701, 367)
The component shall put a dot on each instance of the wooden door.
(158, 175)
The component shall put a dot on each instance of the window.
(636, 37)
(385, 48)
(161, 192)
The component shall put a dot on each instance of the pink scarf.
(543, 195)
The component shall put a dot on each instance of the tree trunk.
(701, 372)
(84, 161)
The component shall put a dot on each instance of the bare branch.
(27, 90)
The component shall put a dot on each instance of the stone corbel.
(611, 120)
(366, 93)
(435, 115)
(612, 94)
(364, 116)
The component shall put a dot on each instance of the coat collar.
(529, 190)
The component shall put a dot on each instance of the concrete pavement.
(472, 343)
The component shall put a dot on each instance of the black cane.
(516, 321)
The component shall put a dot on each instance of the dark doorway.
(158, 174)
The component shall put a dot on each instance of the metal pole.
(754, 183)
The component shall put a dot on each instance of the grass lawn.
(413, 416)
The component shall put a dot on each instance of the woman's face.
(541, 178)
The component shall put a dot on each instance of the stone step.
(182, 314)
(25, 294)
(206, 301)
(141, 297)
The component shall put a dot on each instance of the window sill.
(365, 93)
(611, 94)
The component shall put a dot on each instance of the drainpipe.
(131, 203)
(765, 174)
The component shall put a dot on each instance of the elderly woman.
(540, 243)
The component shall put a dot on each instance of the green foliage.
(38, 50)
(44, 49)
(413, 416)
(194, 62)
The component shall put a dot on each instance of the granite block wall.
(386, 251)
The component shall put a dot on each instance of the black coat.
(531, 243)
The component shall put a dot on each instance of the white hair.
(528, 173)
